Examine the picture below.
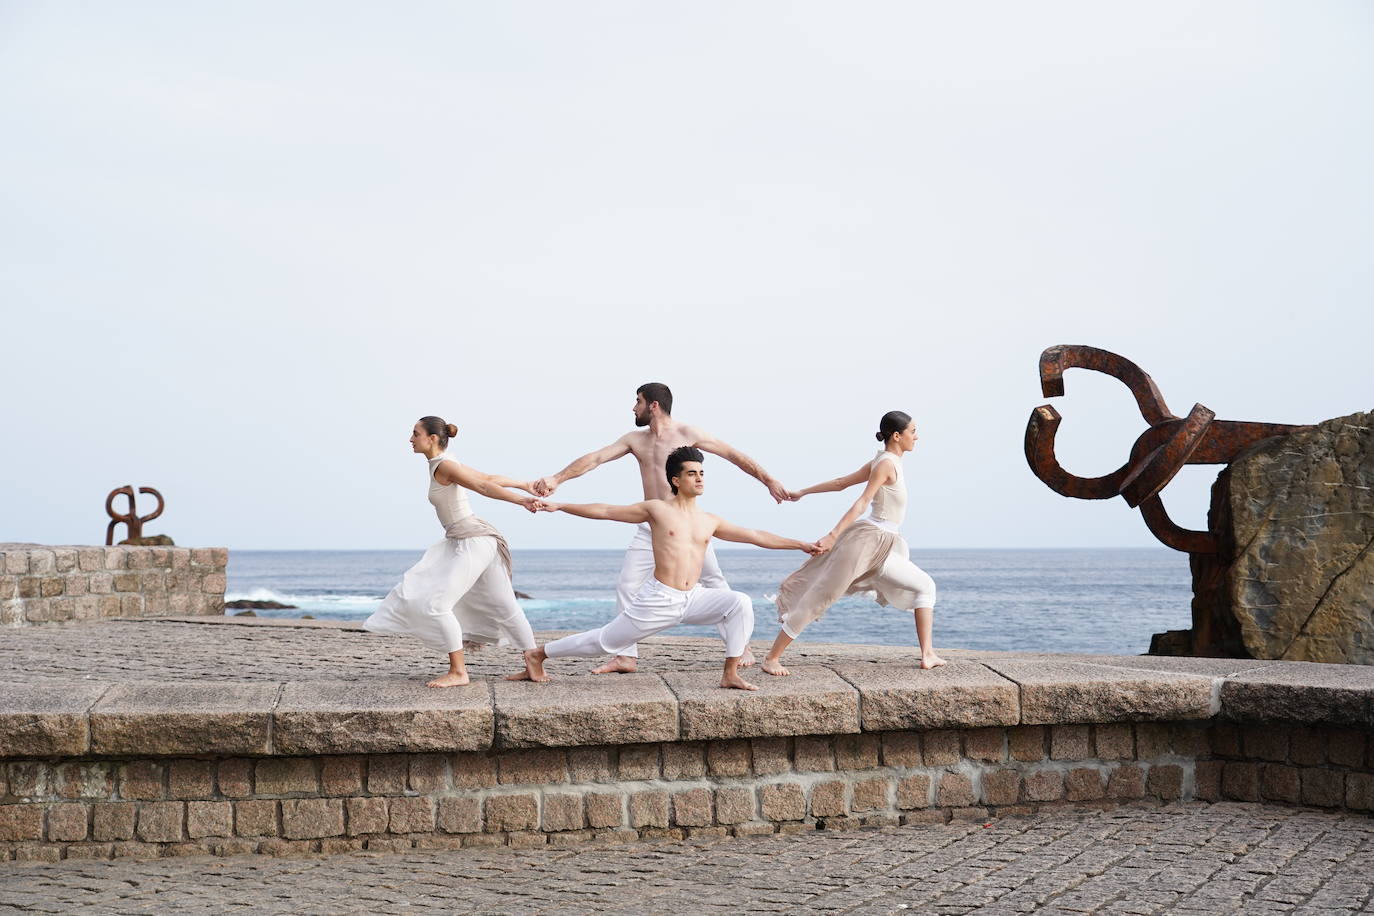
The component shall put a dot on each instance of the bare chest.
(685, 532)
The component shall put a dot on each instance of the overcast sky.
(244, 246)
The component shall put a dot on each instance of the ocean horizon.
(1068, 599)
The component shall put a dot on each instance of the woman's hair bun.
(451, 430)
(894, 421)
(878, 436)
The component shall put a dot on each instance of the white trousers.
(459, 589)
(656, 607)
(638, 567)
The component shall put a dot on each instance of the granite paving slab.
(961, 694)
(337, 717)
(1054, 692)
(1301, 692)
(215, 718)
(369, 694)
(37, 721)
(812, 701)
(602, 709)
(1206, 667)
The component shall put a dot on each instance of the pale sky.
(243, 247)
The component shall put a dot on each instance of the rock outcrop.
(151, 540)
(1294, 579)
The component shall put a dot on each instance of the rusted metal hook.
(1158, 454)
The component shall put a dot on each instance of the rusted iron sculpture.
(1157, 455)
(130, 518)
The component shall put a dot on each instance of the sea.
(1063, 600)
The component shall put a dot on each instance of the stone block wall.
(41, 584)
(143, 806)
(1294, 765)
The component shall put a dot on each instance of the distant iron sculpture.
(1158, 454)
(130, 518)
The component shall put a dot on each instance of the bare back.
(652, 451)
(681, 537)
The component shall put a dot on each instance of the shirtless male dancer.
(653, 408)
(680, 536)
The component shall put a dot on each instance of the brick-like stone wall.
(41, 584)
(103, 807)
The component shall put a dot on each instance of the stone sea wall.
(146, 806)
(43, 584)
(147, 769)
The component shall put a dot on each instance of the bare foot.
(452, 679)
(931, 661)
(730, 679)
(534, 668)
(747, 659)
(774, 667)
(621, 664)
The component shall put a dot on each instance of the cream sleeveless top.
(451, 501)
(889, 503)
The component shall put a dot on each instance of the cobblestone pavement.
(1191, 858)
(170, 650)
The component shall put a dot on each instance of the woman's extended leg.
(906, 585)
(490, 612)
(773, 663)
(925, 624)
(466, 561)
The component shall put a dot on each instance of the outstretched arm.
(492, 486)
(727, 531)
(837, 484)
(742, 461)
(503, 481)
(639, 512)
(545, 486)
(881, 473)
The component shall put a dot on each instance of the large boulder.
(1295, 576)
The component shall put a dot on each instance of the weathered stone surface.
(311, 818)
(183, 719)
(1208, 667)
(1302, 693)
(38, 721)
(782, 802)
(351, 717)
(1301, 512)
(813, 701)
(585, 711)
(512, 812)
(1054, 692)
(962, 694)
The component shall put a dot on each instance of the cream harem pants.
(655, 607)
(638, 567)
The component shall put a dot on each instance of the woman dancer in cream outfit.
(864, 554)
(461, 588)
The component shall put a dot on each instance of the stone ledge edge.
(29, 728)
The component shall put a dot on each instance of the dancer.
(862, 554)
(680, 536)
(653, 409)
(461, 588)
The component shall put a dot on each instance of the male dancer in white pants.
(653, 409)
(680, 535)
